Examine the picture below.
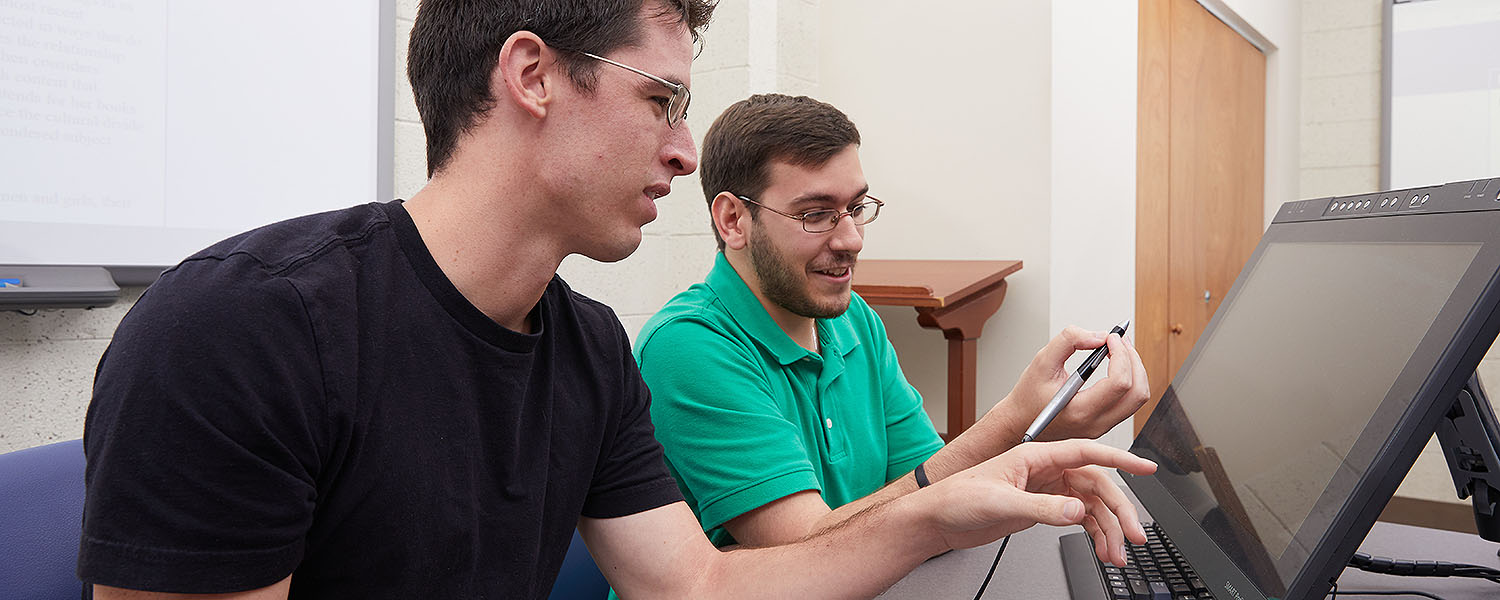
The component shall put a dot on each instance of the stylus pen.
(1069, 389)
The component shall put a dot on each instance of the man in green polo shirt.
(776, 394)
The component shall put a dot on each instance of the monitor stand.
(1470, 439)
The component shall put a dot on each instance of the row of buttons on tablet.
(1416, 200)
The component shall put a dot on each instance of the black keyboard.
(1154, 571)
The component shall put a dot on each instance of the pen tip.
(1125, 324)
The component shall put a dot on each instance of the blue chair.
(579, 578)
(41, 518)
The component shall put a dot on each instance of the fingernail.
(1073, 510)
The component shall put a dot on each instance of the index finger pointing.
(1070, 454)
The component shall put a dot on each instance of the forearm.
(858, 557)
(661, 553)
(275, 591)
(900, 487)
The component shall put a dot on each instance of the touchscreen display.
(1262, 419)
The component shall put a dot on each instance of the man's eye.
(819, 216)
(661, 101)
(858, 210)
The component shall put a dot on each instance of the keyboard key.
(1159, 591)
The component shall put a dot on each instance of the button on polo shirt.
(747, 416)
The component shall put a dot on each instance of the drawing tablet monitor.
(1318, 381)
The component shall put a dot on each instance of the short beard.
(780, 284)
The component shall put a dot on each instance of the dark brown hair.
(741, 144)
(455, 44)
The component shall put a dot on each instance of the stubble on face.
(785, 284)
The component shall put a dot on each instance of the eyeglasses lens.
(677, 108)
(819, 221)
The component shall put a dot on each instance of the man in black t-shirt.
(402, 400)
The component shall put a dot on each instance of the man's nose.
(681, 154)
(846, 236)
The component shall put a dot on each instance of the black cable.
(986, 583)
(1424, 568)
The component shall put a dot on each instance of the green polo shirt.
(748, 417)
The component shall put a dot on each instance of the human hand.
(1041, 482)
(1095, 409)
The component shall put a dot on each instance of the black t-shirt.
(316, 398)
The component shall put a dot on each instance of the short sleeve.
(730, 446)
(202, 436)
(909, 431)
(632, 474)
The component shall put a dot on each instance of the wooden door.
(1200, 176)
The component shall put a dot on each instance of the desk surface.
(1032, 566)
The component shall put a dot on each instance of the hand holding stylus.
(1072, 385)
(1077, 412)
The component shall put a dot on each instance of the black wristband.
(921, 474)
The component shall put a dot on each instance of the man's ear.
(732, 220)
(525, 73)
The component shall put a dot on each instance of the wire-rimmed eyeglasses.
(826, 219)
(677, 103)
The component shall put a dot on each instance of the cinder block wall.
(1341, 66)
